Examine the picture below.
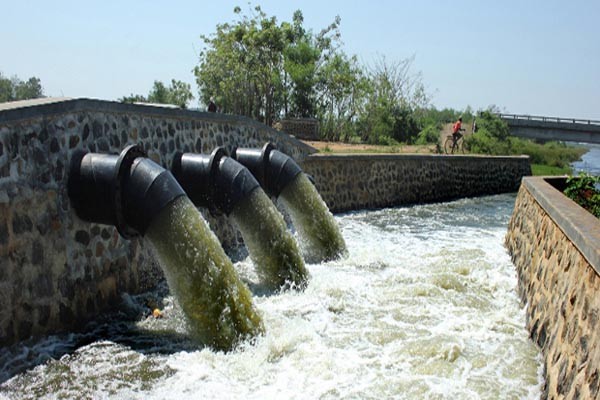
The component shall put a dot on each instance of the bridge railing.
(548, 119)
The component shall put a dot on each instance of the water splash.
(381, 323)
(218, 306)
(271, 246)
(320, 237)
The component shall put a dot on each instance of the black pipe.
(214, 181)
(273, 169)
(126, 190)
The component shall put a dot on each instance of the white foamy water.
(424, 307)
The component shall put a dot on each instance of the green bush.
(583, 189)
(431, 134)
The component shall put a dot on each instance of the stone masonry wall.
(301, 128)
(57, 271)
(350, 182)
(555, 246)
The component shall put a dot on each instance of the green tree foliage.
(241, 67)
(343, 87)
(258, 67)
(585, 191)
(263, 69)
(394, 102)
(178, 93)
(13, 89)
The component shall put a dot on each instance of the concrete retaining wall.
(555, 246)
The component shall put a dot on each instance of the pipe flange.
(122, 168)
(213, 164)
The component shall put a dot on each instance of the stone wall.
(57, 271)
(301, 128)
(555, 246)
(350, 182)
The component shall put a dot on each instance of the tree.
(395, 100)
(342, 90)
(178, 93)
(262, 69)
(242, 66)
(14, 89)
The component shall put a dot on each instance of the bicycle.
(455, 144)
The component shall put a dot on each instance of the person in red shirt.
(457, 128)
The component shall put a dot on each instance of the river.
(590, 161)
(423, 307)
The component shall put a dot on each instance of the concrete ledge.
(581, 227)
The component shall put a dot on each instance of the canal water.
(423, 307)
(590, 161)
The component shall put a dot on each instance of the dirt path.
(339, 147)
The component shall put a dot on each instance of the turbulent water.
(318, 233)
(272, 248)
(423, 307)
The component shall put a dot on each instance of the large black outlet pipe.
(126, 190)
(273, 169)
(214, 181)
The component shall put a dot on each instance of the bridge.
(552, 128)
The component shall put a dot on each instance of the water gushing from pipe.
(271, 246)
(225, 186)
(280, 176)
(320, 237)
(140, 197)
(202, 278)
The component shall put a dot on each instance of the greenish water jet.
(272, 248)
(320, 237)
(223, 185)
(218, 306)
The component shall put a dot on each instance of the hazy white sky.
(531, 57)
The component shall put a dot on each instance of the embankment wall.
(555, 246)
(351, 182)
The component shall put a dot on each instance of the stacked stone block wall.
(350, 182)
(301, 128)
(555, 246)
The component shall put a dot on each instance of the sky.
(526, 57)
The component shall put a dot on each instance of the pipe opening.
(272, 168)
(214, 181)
(126, 190)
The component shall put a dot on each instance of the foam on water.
(423, 307)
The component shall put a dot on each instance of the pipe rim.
(122, 168)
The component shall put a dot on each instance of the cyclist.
(456, 129)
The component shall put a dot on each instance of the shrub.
(583, 189)
(431, 134)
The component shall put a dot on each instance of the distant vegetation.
(13, 89)
(493, 138)
(178, 93)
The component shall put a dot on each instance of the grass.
(548, 170)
